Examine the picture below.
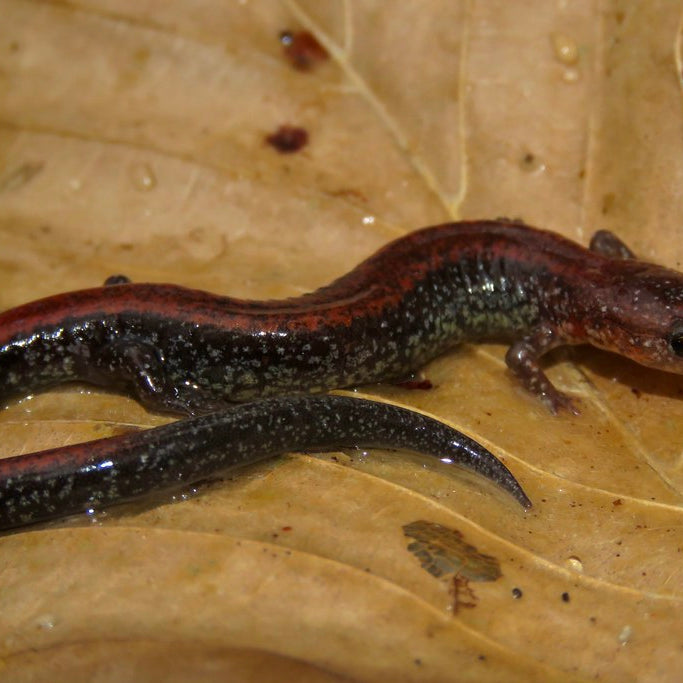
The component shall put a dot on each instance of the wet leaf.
(133, 140)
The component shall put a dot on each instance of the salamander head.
(641, 316)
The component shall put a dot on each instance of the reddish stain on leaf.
(302, 49)
(288, 139)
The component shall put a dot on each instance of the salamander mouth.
(653, 353)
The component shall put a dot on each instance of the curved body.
(105, 472)
(187, 351)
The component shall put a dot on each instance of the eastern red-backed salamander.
(188, 351)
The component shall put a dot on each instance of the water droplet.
(531, 163)
(94, 515)
(368, 220)
(565, 48)
(625, 634)
(573, 562)
(142, 176)
(184, 495)
(571, 75)
(45, 622)
(205, 243)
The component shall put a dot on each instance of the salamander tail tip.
(521, 497)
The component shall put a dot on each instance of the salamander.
(97, 474)
(187, 351)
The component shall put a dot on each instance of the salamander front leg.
(523, 359)
(608, 244)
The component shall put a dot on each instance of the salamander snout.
(641, 314)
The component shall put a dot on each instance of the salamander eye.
(676, 338)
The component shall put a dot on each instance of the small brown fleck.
(565, 597)
(617, 502)
(530, 162)
(349, 193)
(286, 528)
(302, 49)
(608, 200)
(288, 139)
(517, 593)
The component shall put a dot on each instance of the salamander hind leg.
(608, 244)
(137, 367)
(523, 358)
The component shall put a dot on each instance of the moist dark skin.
(97, 474)
(188, 352)
(185, 351)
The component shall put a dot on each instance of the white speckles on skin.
(353, 332)
(249, 379)
(194, 449)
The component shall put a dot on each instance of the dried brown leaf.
(132, 140)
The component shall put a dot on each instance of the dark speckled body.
(177, 348)
(186, 351)
(97, 474)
